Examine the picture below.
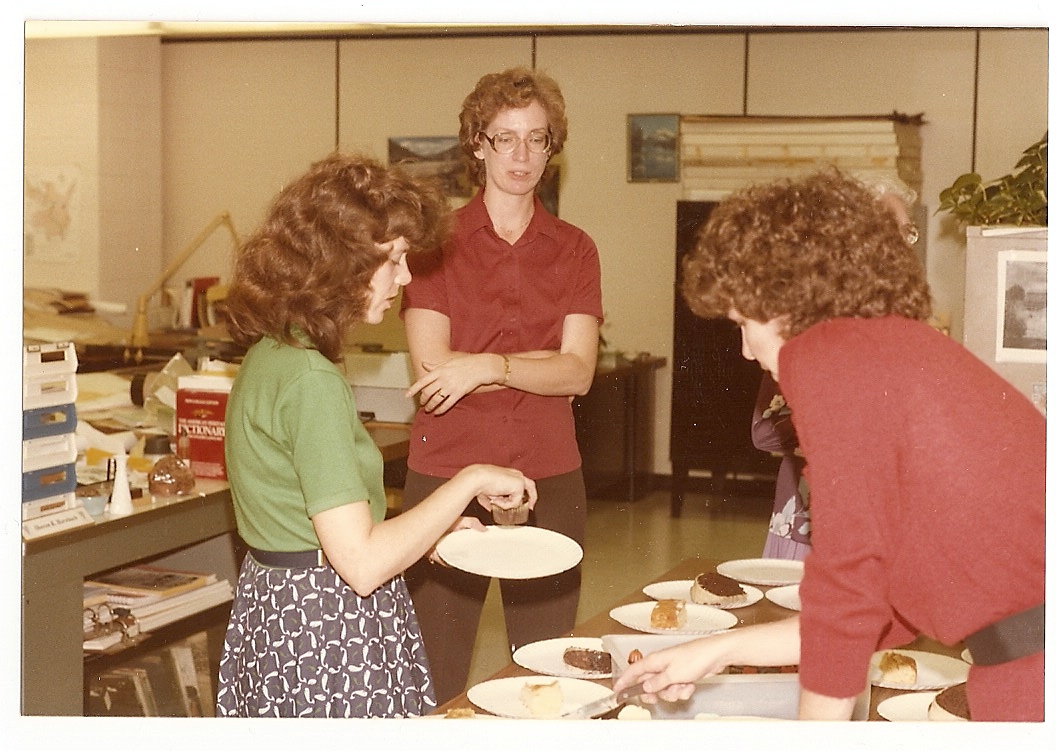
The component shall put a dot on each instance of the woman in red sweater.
(927, 469)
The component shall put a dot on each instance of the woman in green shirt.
(322, 624)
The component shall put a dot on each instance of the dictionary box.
(201, 404)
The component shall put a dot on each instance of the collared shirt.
(504, 298)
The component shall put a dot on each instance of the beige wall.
(238, 118)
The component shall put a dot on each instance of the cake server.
(602, 705)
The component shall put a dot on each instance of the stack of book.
(155, 596)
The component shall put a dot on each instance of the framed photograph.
(434, 156)
(652, 148)
(1022, 306)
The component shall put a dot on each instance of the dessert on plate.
(950, 705)
(591, 660)
(715, 589)
(668, 614)
(898, 669)
(544, 700)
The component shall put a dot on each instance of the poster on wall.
(652, 148)
(51, 214)
(437, 157)
(1022, 306)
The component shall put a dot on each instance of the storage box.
(38, 484)
(48, 359)
(201, 405)
(379, 382)
(47, 421)
(766, 695)
(50, 505)
(48, 390)
(50, 451)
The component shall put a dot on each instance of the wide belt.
(1013, 637)
(292, 559)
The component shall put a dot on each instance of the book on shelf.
(139, 585)
(153, 616)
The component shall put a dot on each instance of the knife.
(602, 705)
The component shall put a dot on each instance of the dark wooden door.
(713, 387)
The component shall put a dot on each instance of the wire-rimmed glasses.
(504, 142)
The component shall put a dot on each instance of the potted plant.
(1019, 198)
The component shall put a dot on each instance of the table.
(763, 611)
(615, 426)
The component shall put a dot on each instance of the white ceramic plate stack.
(912, 707)
(510, 552)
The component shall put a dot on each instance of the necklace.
(512, 234)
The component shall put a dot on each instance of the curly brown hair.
(309, 265)
(811, 249)
(511, 89)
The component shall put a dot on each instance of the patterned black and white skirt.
(302, 643)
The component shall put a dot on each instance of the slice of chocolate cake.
(715, 589)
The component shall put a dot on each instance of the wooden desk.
(763, 611)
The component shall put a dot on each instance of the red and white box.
(201, 404)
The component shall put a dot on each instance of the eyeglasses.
(538, 141)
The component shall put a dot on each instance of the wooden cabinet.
(713, 388)
(614, 427)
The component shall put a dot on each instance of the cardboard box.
(379, 382)
(201, 405)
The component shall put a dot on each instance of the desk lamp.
(140, 336)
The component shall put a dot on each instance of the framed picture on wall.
(434, 156)
(652, 148)
(1022, 306)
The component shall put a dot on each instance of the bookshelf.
(192, 533)
(54, 569)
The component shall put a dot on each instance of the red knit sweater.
(927, 476)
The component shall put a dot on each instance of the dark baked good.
(508, 516)
(171, 475)
(713, 588)
(591, 660)
(950, 704)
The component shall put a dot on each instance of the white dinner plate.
(912, 707)
(679, 590)
(510, 552)
(786, 597)
(502, 696)
(934, 671)
(700, 619)
(547, 657)
(768, 572)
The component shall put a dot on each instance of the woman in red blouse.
(926, 468)
(503, 332)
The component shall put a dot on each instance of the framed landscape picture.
(434, 156)
(652, 148)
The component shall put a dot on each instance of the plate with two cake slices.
(934, 671)
(679, 590)
(766, 572)
(548, 657)
(700, 619)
